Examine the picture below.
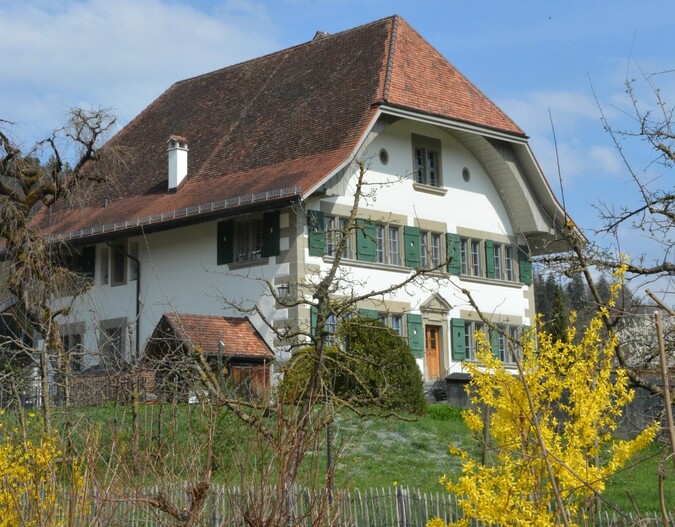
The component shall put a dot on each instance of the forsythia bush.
(29, 480)
(577, 396)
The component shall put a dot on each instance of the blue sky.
(530, 57)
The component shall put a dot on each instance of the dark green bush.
(371, 368)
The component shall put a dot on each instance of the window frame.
(118, 263)
(253, 238)
(111, 357)
(476, 265)
(427, 161)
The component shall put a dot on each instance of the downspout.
(138, 294)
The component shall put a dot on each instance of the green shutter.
(225, 243)
(411, 240)
(490, 258)
(313, 314)
(453, 253)
(416, 335)
(457, 330)
(494, 342)
(524, 265)
(365, 241)
(368, 313)
(317, 234)
(271, 233)
(89, 260)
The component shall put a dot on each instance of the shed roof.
(238, 336)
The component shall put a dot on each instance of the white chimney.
(177, 149)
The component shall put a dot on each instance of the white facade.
(464, 200)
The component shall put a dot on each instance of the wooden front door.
(432, 356)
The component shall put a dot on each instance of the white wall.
(179, 271)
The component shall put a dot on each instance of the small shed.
(231, 346)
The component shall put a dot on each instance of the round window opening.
(384, 156)
(466, 175)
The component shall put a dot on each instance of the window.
(111, 343)
(426, 160)
(424, 251)
(331, 324)
(80, 260)
(497, 260)
(394, 246)
(392, 321)
(248, 239)
(471, 329)
(254, 237)
(490, 259)
(395, 323)
(344, 224)
(475, 258)
(374, 242)
(379, 243)
(72, 346)
(133, 260)
(105, 266)
(465, 340)
(508, 264)
(464, 255)
(118, 263)
(502, 351)
(334, 229)
(500, 259)
(430, 250)
(435, 250)
(330, 235)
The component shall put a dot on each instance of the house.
(239, 179)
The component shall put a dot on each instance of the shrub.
(444, 412)
(373, 367)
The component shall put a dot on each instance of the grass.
(373, 452)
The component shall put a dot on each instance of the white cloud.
(567, 110)
(120, 54)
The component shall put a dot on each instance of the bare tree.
(37, 271)
(292, 423)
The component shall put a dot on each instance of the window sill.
(370, 265)
(247, 263)
(507, 365)
(438, 191)
(491, 281)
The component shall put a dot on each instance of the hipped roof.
(272, 127)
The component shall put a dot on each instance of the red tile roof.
(239, 337)
(282, 121)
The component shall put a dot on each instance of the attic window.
(320, 34)
(426, 161)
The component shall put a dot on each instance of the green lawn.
(373, 452)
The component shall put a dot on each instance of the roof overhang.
(182, 217)
(508, 159)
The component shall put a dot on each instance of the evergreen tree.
(559, 316)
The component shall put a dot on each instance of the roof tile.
(239, 337)
(285, 120)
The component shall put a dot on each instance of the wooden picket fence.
(236, 507)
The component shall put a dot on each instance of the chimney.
(177, 148)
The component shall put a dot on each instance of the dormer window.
(426, 161)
